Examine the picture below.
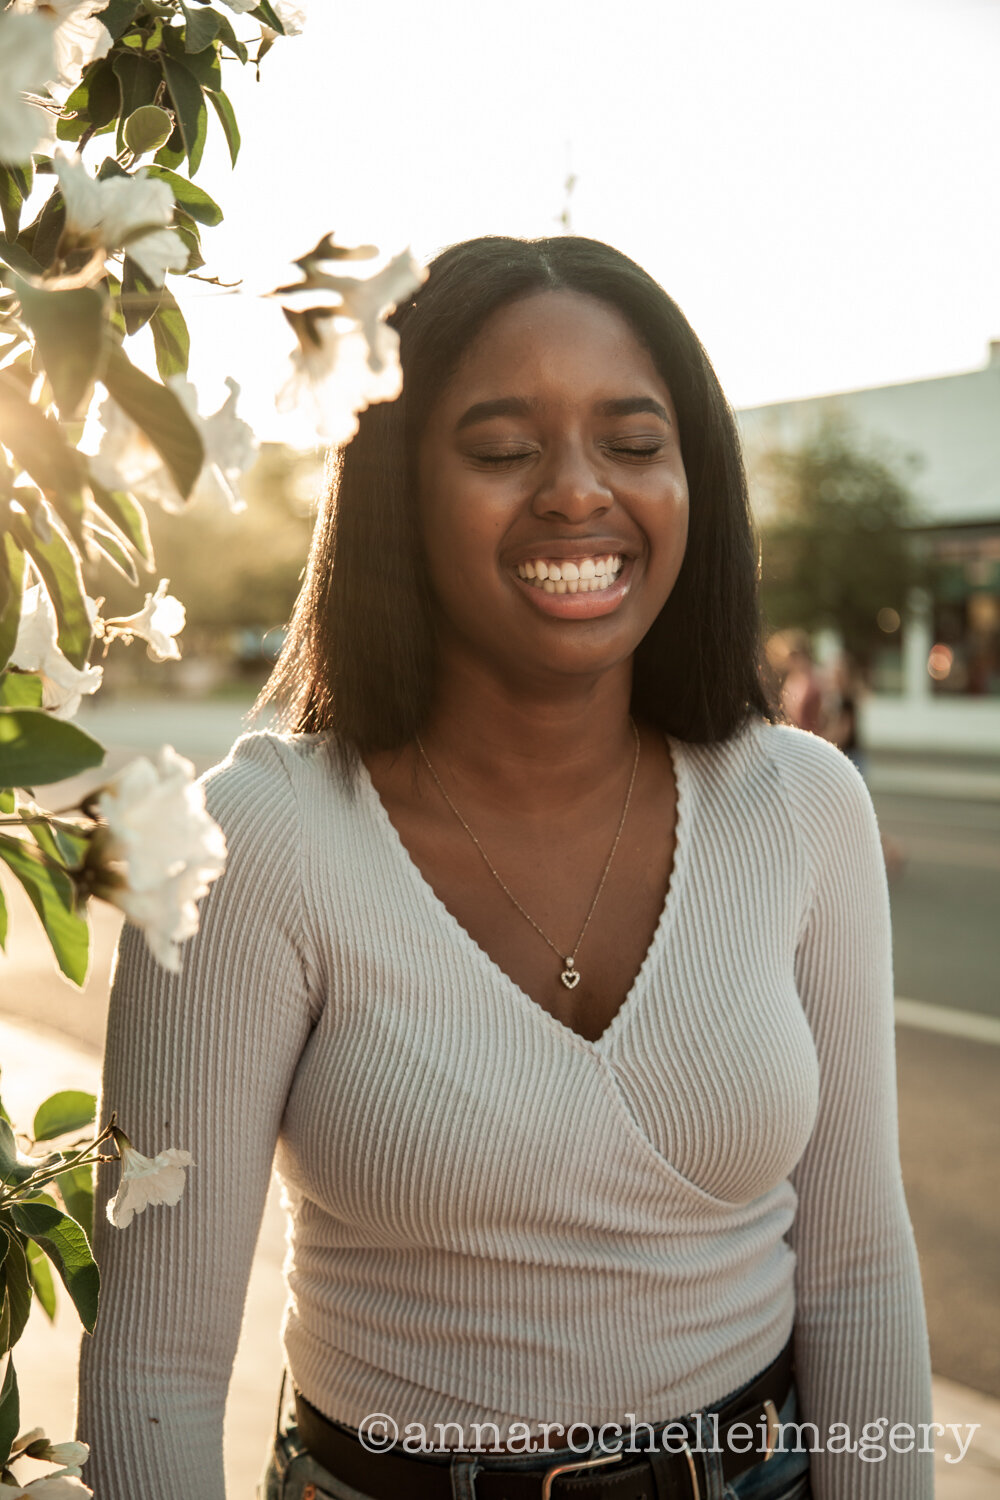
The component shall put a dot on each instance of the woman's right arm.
(202, 1060)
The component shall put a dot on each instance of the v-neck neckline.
(666, 920)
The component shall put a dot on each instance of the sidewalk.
(37, 1062)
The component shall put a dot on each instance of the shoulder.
(263, 789)
(273, 768)
(825, 793)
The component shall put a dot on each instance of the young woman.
(557, 973)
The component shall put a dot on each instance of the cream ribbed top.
(492, 1218)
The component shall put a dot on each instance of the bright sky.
(817, 184)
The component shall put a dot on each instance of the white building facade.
(938, 688)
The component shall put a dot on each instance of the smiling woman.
(568, 1003)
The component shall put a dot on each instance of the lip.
(588, 606)
(574, 547)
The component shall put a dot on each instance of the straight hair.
(359, 659)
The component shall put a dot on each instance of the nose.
(570, 487)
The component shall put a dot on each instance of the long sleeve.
(202, 1061)
(860, 1331)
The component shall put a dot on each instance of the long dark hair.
(359, 658)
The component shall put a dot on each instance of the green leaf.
(140, 297)
(171, 339)
(37, 749)
(161, 416)
(127, 515)
(52, 895)
(118, 16)
(62, 843)
(36, 441)
(227, 115)
(69, 340)
(106, 544)
(95, 101)
(11, 1170)
(269, 16)
(12, 572)
(41, 1280)
(10, 1412)
(172, 154)
(147, 129)
(11, 200)
(18, 1289)
(59, 566)
(65, 1243)
(42, 237)
(194, 200)
(228, 38)
(201, 27)
(189, 106)
(77, 1190)
(139, 78)
(188, 231)
(70, 1109)
(20, 690)
(17, 257)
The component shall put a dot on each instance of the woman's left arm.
(860, 1333)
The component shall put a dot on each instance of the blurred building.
(937, 677)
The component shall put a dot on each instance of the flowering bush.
(104, 114)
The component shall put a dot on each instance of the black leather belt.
(655, 1475)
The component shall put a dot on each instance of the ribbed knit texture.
(492, 1218)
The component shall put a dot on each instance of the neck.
(536, 747)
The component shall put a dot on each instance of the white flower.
(51, 1487)
(160, 619)
(292, 17)
(159, 850)
(146, 1180)
(72, 1454)
(27, 62)
(127, 459)
(347, 356)
(78, 35)
(122, 212)
(35, 650)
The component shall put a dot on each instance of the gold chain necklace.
(570, 975)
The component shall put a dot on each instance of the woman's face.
(553, 496)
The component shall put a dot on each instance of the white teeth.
(567, 577)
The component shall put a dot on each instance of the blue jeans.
(291, 1471)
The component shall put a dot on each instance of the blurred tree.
(235, 572)
(836, 538)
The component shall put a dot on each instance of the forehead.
(554, 345)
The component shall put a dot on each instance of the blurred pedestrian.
(801, 690)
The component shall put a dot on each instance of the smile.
(582, 575)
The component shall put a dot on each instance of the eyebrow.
(516, 406)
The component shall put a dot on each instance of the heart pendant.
(570, 977)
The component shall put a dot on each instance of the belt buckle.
(773, 1424)
(581, 1463)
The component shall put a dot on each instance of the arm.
(860, 1331)
(202, 1060)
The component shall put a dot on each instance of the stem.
(32, 1184)
(42, 818)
